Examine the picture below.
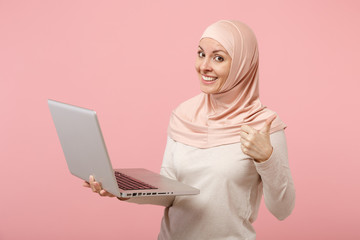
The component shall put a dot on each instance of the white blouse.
(231, 185)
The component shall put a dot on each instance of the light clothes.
(209, 120)
(231, 185)
(204, 150)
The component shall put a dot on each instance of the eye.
(201, 54)
(219, 59)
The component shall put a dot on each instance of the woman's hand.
(96, 188)
(256, 143)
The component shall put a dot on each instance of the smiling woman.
(225, 143)
(213, 65)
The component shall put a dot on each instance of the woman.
(225, 143)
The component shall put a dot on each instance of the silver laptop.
(85, 153)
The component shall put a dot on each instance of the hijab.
(210, 120)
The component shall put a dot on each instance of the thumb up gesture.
(256, 143)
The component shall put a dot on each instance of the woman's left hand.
(256, 143)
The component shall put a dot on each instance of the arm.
(166, 170)
(278, 186)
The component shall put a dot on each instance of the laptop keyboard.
(126, 182)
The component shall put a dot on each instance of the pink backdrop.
(133, 61)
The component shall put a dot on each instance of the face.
(212, 64)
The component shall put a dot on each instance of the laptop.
(85, 152)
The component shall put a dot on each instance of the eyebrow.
(215, 51)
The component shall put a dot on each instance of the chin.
(207, 90)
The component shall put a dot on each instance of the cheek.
(226, 71)
(197, 66)
(223, 73)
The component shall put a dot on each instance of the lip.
(207, 82)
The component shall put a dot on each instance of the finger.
(244, 135)
(244, 149)
(86, 184)
(106, 193)
(267, 125)
(248, 137)
(247, 129)
(97, 187)
(244, 142)
(248, 152)
(103, 193)
(123, 199)
(92, 181)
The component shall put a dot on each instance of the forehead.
(211, 44)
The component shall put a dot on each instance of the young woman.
(225, 143)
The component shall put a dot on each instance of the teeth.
(209, 78)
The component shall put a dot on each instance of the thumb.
(267, 125)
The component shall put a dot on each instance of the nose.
(206, 65)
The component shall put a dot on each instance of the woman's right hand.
(96, 188)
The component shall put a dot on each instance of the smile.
(209, 79)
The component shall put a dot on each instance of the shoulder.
(278, 135)
(278, 141)
(189, 104)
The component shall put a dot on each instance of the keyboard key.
(128, 183)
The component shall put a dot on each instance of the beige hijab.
(209, 120)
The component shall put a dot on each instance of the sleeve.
(278, 185)
(167, 170)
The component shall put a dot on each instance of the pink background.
(133, 62)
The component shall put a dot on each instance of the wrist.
(267, 156)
